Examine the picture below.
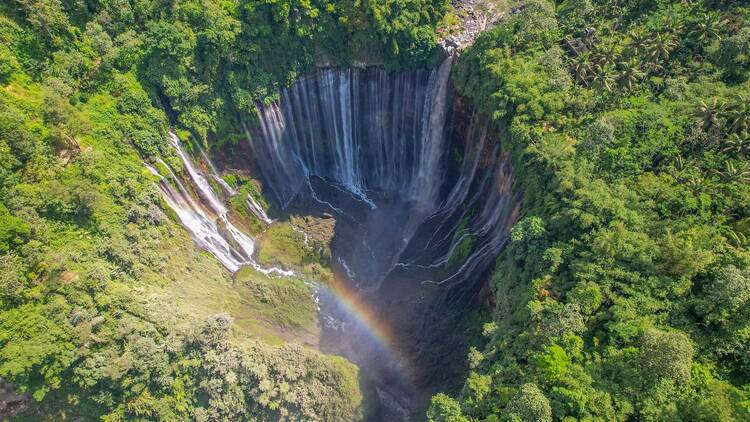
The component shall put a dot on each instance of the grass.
(276, 310)
(285, 302)
(238, 203)
(282, 245)
(242, 214)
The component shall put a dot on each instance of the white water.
(365, 132)
(207, 218)
(251, 202)
(373, 134)
(258, 210)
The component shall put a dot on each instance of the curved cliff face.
(393, 154)
(422, 192)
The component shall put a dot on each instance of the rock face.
(10, 401)
(378, 143)
(423, 197)
(581, 45)
(475, 16)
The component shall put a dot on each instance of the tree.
(445, 409)
(729, 291)
(553, 362)
(733, 56)
(35, 351)
(48, 18)
(535, 26)
(528, 405)
(602, 78)
(738, 116)
(711, 115)
(13, 230)
(735, 172)
(659, 47)
(582, 68)
(12, 278)
(737, 145)
(588, 296)
(666, 355)
(575, 15)
(709, 26)
(629, 74)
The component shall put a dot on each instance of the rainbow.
(356, 306)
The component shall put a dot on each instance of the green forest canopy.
(624, 293)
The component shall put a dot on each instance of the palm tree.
(604, 55)
(697, 183)
(683, 170)
(737, 238)
(737, 144)
(673, 23)
(602, 78)
(637, 40)
(711, 115)
(739, 116)
(659, 47)
(679, 163)
(735, 172)
(708, 27)
(629, 74)
(582, 68)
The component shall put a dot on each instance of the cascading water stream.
(340, 128)
(319, 129)
(207, 220)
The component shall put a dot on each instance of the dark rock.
(11, 402)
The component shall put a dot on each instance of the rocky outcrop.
(11, 402)
(475, 16)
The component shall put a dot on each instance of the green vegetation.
(107, 309)
(209, 61)
(284, 302)
(624, 293)
(246, 188)
(464, 247)
(282, 245)
(301, 244)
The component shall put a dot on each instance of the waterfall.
(422, 193)
(383, 138)
(206, 217)
(364, 130)
(483, 202)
